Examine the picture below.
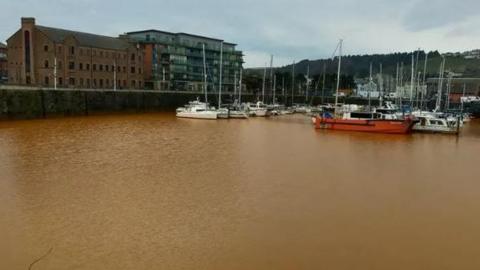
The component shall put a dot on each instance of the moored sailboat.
(197, 109)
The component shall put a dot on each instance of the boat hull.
(197, 115)
(359, 125)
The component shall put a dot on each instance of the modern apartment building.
(48, 57)
(174, 61)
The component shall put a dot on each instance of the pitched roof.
(84, 39)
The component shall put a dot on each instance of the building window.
(72, 50)
(132, 57)
(60, 81)
(71, 81)
(106, 67)
(101, 67)
(139, 71)
(27, 52)
(81, 81)
(124, 83)
(71, 65)
(88, 82)
(101, 83)
(94, 82)
(46, 81)
(118, 69)
(59, 64)
(94, 67)
(133, 83)
(59, 49)
(46, 64)
(118, 83)
(88, 66)
(132, 70)
(124, 69)
(101, 53)
(45, 48)
(107, 83)
(80, 66)
(113, 68)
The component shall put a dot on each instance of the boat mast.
(240, 87)
(204, 75)
(338, 72)
(271, 75)
(220, 77)
(412, 80)
(370, 83)
(440, 85)
(293, 80)
(235, 83)
(424, 85)
(308, 83)
(381, 85)
(263, 83)
(274, 86)
(323, 82)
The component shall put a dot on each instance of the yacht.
(257, 109)
(232, 112)
(429, 123)
(197, 110)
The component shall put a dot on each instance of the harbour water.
(150, 191)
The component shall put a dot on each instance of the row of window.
(95, 52)
(100, 83)
(107, 68)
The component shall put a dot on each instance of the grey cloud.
(288, 29)
(424, 15)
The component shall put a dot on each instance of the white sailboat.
(197, 109)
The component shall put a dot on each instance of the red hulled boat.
(366, 125)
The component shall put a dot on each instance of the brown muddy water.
(155, 192)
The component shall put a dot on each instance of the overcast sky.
(289, 29)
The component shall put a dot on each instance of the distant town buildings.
(473, 54)
(175, 60)
(3, 63)
(151, 59)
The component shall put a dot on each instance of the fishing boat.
(364, 122)
(197, 110)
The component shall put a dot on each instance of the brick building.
(3, 63)
(41, 56)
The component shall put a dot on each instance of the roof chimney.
(28, 21)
